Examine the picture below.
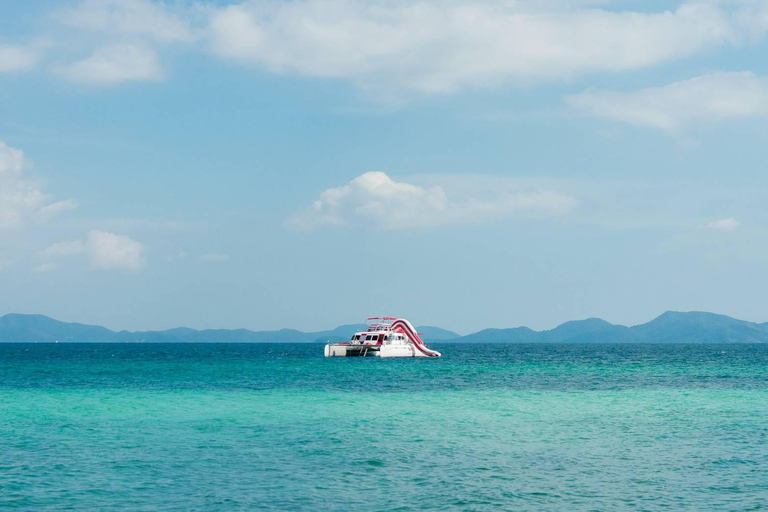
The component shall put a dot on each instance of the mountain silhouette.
(670, 327)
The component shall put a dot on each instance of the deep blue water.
(486, 427)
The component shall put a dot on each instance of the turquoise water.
(490, 427)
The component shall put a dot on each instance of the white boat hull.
(336, 350)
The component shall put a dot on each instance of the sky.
(309, 163)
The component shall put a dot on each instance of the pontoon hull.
(337, 350)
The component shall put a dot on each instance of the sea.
(213, 427)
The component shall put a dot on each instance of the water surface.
(486, 427)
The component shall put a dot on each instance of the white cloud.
(11, 159)
(110, 251)
(22, 199)
(672, 108)
(106, 251)
(376, 198)
(130, 26)
(67, 248)
(724, 225)
(56, 209)
(390, 47)
(18, 58)
(115, 64)
(214, 257)
(154, 20)
(44, 268)
(439, 47)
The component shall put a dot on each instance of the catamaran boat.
(386, 337)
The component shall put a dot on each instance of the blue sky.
(310, 163)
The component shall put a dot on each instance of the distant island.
(671, 327)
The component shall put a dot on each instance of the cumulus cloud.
(672, 108)
(23, 199)
(214, 257)
(18, 58)
(376, 198)
(133, 17)
(110, 251)
(440, 47)
(106, 251)
(115, 64)
(724, 224)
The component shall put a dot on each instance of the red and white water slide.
(404, 326)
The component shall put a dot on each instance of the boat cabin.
(378, 338)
